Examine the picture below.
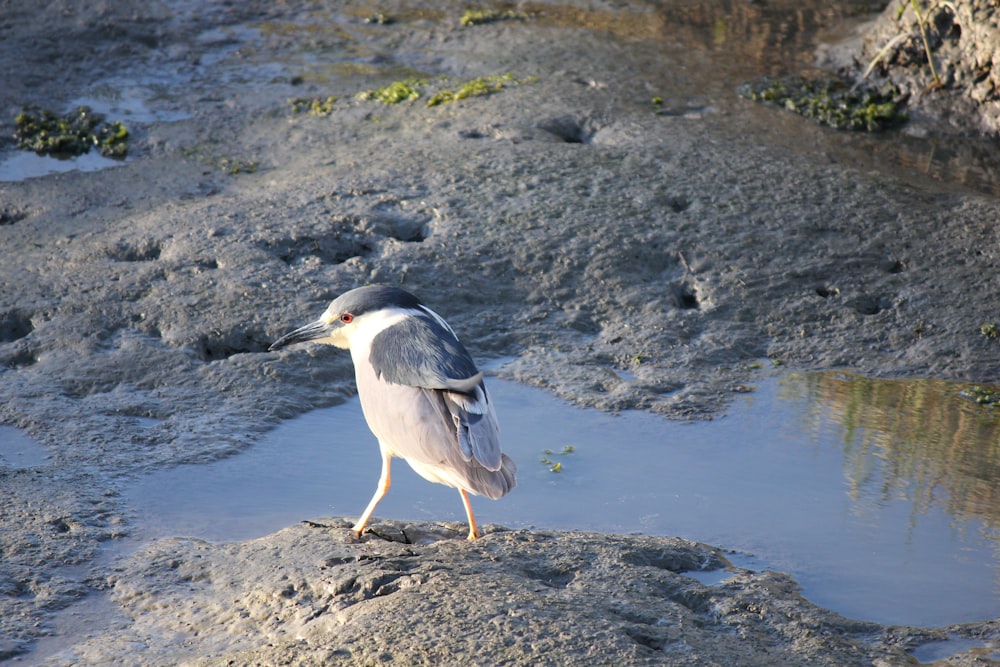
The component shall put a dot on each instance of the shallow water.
(21, 165)
(19, 450)
(942, 650)
(874, 495)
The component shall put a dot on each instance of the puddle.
(874, 495)
(718, 577)
(939, 651)
(130, 102)
(23, 165)
(710, 577)
(19, 450)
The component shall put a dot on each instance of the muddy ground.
(568, 221)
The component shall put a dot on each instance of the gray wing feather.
(476, 426)
(419, 352)
(475, 440)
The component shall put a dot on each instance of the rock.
(312, 594)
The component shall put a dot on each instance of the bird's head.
(356, 315)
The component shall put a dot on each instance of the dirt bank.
(942, 59)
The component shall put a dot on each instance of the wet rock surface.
(570, 223)
(312, 595)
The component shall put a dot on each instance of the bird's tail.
(494, 484)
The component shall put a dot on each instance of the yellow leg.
(473, 528)
(383, 486)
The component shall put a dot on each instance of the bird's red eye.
(347, 318)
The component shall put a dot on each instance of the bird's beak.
(312, 331)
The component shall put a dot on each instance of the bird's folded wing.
(419, 352)
(476, 426)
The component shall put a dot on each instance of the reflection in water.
(747, 40)
(766, 37)
(919, 440)
(967, 160)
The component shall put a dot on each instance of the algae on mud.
(483, 85)
(74, 133)
(409, 90)
(314, 106)
(483, 16)
(394, 93)
(829, 101)
(942, 57)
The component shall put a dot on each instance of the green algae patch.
(482, 16)
(829, 101)
(407, 90)
(314, 106)
(982, 395)
(484, 85)
(548, 455)
(74, 133)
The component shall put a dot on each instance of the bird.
(421, 393)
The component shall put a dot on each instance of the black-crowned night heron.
(421, 393)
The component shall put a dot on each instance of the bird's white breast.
(372, 389)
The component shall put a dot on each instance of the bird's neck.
(371, 326)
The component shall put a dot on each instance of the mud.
(628, 254)
(307, 595)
